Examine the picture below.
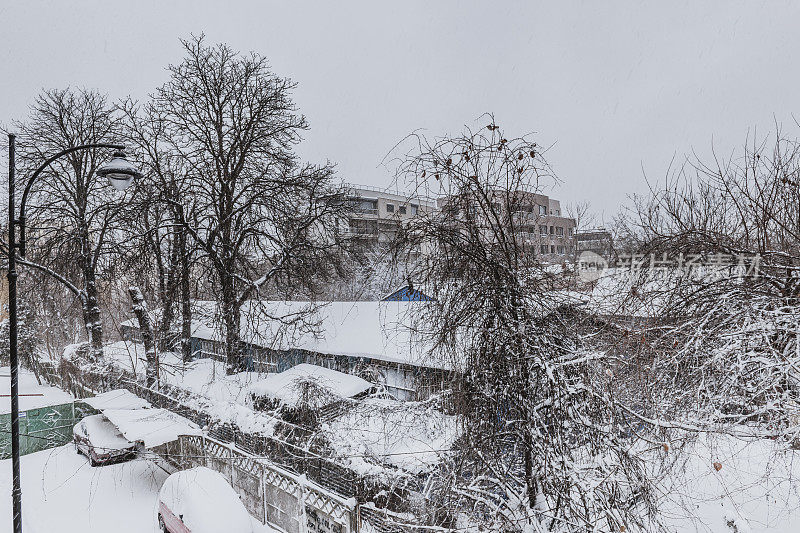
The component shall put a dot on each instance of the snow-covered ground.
(756, 489)
(62, 493)
(29, 385)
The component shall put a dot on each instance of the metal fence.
(42, 428)
(273, 495)
(338, 480)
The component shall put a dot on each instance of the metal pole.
(16, 490)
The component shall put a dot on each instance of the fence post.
(263, 490)
(303, 517)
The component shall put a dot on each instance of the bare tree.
(732, 322)
(534, 406)
(261, 218)
(159, 215)
(71, 212)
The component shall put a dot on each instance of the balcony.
(359, 232)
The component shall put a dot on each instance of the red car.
(200, 500)
(99, 440)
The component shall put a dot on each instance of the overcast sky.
(620, 88)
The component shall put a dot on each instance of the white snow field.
(62, 493)
(755, 490)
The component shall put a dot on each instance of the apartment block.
(378, 213)
(537, 221)
(597, 240)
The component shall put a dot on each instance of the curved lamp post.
(120, 173)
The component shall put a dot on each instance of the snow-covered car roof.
(285, 386)
(153, 427)
(102, 434)
(206, 501)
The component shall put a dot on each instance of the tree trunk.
(186, 307)
(91, 315)
(146, 329)
(170, 293)
(231, 320)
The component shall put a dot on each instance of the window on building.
(390, 208)
(552, 248)
(413, 209)
(402, 210)
(543, 248)
(542, 209)
(542, 230)
(560, 231)
(561, 250)
(571, 231)
(558, 213)
(552, 230)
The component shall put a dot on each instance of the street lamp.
(120, 173)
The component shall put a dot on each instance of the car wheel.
(161, 525)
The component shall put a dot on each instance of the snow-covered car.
(200, 500)
(99, 440)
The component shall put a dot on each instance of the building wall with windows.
(378, 214)
(539, 223)
(597, 240)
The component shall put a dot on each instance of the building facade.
(378, 214)
(597, 240)
(537, 220)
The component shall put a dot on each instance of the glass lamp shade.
(120, 172)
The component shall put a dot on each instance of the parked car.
(200, 500)
(99, 440)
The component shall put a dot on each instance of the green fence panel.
(42, 428)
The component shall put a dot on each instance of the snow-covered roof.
(377, 330)
(153, 427)
(286, 386)
(117, 399)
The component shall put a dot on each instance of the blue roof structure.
(408, 294)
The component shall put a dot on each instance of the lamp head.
(119, 171)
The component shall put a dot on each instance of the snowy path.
(61, 492)
(756, 489)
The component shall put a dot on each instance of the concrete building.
(597, 240)
(378, 214)
(538, 221)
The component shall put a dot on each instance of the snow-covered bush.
(538, 448)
